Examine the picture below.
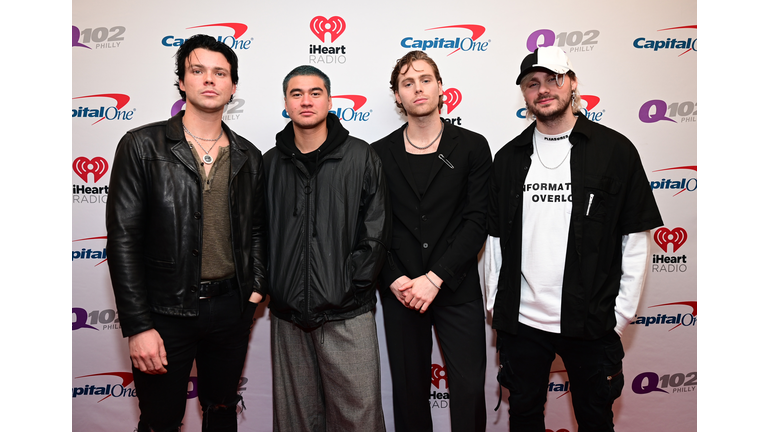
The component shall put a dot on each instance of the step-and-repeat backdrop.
(636, 64)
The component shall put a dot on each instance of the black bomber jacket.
(329, 227)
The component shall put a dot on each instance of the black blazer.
(444, 230)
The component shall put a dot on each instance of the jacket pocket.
(159, 263)
(600, 198)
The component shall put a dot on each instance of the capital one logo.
(439, 374)
(121, 389)
(683, 313)
(559, 388)
(687, 44)
(682, 184)
(104, 112)
(334, 25)
(83, 166)
(109, 390)
(470, 43)
(233, 41)
(90, 253)
(665, 237)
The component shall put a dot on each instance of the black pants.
(217, 340)
(461, 335)
(594, 372)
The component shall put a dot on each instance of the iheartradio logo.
(439, 374)
(334, 25)
(83, 166)
(676, 237)
(452, 98)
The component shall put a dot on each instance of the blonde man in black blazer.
(437, 177)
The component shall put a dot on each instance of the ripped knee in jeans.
(221, 417)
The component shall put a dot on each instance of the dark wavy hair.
(210, 44)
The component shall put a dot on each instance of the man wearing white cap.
(569, 218)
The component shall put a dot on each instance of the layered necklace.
(207, 158)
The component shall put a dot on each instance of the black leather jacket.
(328, 229)
(155, 223)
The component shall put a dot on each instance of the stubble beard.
(555, 116)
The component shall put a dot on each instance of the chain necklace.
(538, 155)
(430, 144)
(207, 158)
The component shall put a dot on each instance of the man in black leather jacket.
(187, 243)
(328, 225)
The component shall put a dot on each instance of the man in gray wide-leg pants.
(329, 228)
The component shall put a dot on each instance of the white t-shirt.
(547, 203)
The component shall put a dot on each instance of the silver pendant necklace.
(538, 155)
(442, 126)
(207, 158)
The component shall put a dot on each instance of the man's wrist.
(432, 282)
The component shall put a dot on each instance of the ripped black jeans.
(217, 340)
(594, 371)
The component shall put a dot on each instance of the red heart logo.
(452, 98)
(664, 237)
(334, 25)
(96, 166)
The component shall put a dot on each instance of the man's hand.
(148, 352)
(422, 291)
(255, 297)
(396, 289)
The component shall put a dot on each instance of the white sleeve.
(635, 254)
(492, 270)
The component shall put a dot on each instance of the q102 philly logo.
(105, 319)
(570, 41)
(345, 112)
(233, 41)
(588, 105)
(453, 43)
(98, 37)
(656, 110)
(96, 108)
(651, 382)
